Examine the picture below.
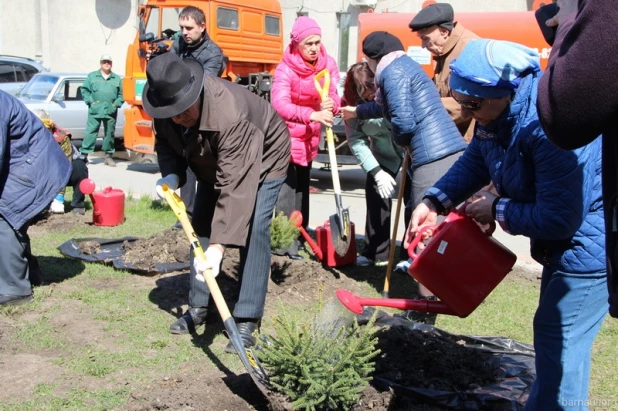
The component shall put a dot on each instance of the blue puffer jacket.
(549, 195)
(413, 106)
(33, 167)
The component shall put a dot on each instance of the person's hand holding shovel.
(171, 180)
(324, 116)
(214, 256)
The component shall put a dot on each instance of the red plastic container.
(462, 263)
(329, 257)
(108, 207)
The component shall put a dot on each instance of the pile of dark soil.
(167, 247)
(414, 358)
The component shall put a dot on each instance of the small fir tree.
(282, 232)
(319, 366)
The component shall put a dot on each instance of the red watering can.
(461, 265)
(107, 205)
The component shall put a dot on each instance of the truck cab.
(250, 33)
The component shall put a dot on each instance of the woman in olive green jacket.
(372, 144)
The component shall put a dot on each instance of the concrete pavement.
(139, 180)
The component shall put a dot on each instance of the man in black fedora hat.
(239, 149)
(444, 38)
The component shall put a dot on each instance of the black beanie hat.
(379, 43)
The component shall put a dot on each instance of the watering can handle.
(492, 225)
(417, 240)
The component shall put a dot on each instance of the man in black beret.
(445, 39)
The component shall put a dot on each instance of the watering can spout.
(355, 304)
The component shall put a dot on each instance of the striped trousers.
(254, 257)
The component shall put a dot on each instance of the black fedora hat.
(173, 85)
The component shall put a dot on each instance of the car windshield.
(39, 87)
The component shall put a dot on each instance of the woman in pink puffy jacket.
(296, 99)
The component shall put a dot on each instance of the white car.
(59, 94)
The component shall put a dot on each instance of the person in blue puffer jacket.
(33, 169)
(407, 97)
(549, 195)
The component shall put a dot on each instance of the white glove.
(213, 262)
(386, 184)
(172, 182)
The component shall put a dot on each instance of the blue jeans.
(571, 310)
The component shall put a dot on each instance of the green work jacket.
(103, 96)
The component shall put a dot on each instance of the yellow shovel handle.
(322, 90)
(178, 207)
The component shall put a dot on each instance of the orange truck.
(250, 33)
(518, 27)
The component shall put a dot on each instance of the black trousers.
(16, 260)
(254, 257)
(294, 195)
(378, 221)
(78, 173)
(188, 192)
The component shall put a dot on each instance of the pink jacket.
(295, 97)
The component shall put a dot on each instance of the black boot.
(421, 317)
(187, 324)
(246, 328)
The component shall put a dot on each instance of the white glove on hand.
(171, 180)
(386, 184)
(213, 262)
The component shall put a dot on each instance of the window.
(344, 40)
(7, 73)
(72, 89)
(29, 71)
(227, 18)
(272, 25)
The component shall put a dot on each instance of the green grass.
(126, 343)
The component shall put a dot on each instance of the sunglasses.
(472, 105)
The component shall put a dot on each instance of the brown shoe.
(109, 161)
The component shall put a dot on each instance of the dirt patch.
(199, 386)
(47, 222)
(167, 247)
(414, 358)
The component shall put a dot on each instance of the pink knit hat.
(303, 28)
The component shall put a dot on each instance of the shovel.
(340, 222)
(391, 254)
(247, 356)
(297, 219)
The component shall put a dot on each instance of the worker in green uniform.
(102, 92)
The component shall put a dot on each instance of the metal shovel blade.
(247, 356)
(341, 242)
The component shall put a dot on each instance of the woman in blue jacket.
(372, 144)
(407, 97)
(549, 195)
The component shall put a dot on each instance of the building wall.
(68, 35)
(71, 35)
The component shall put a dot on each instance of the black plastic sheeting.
(111, 253)
(514, 361)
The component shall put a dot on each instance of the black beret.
(437, 14)
(379, 43)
